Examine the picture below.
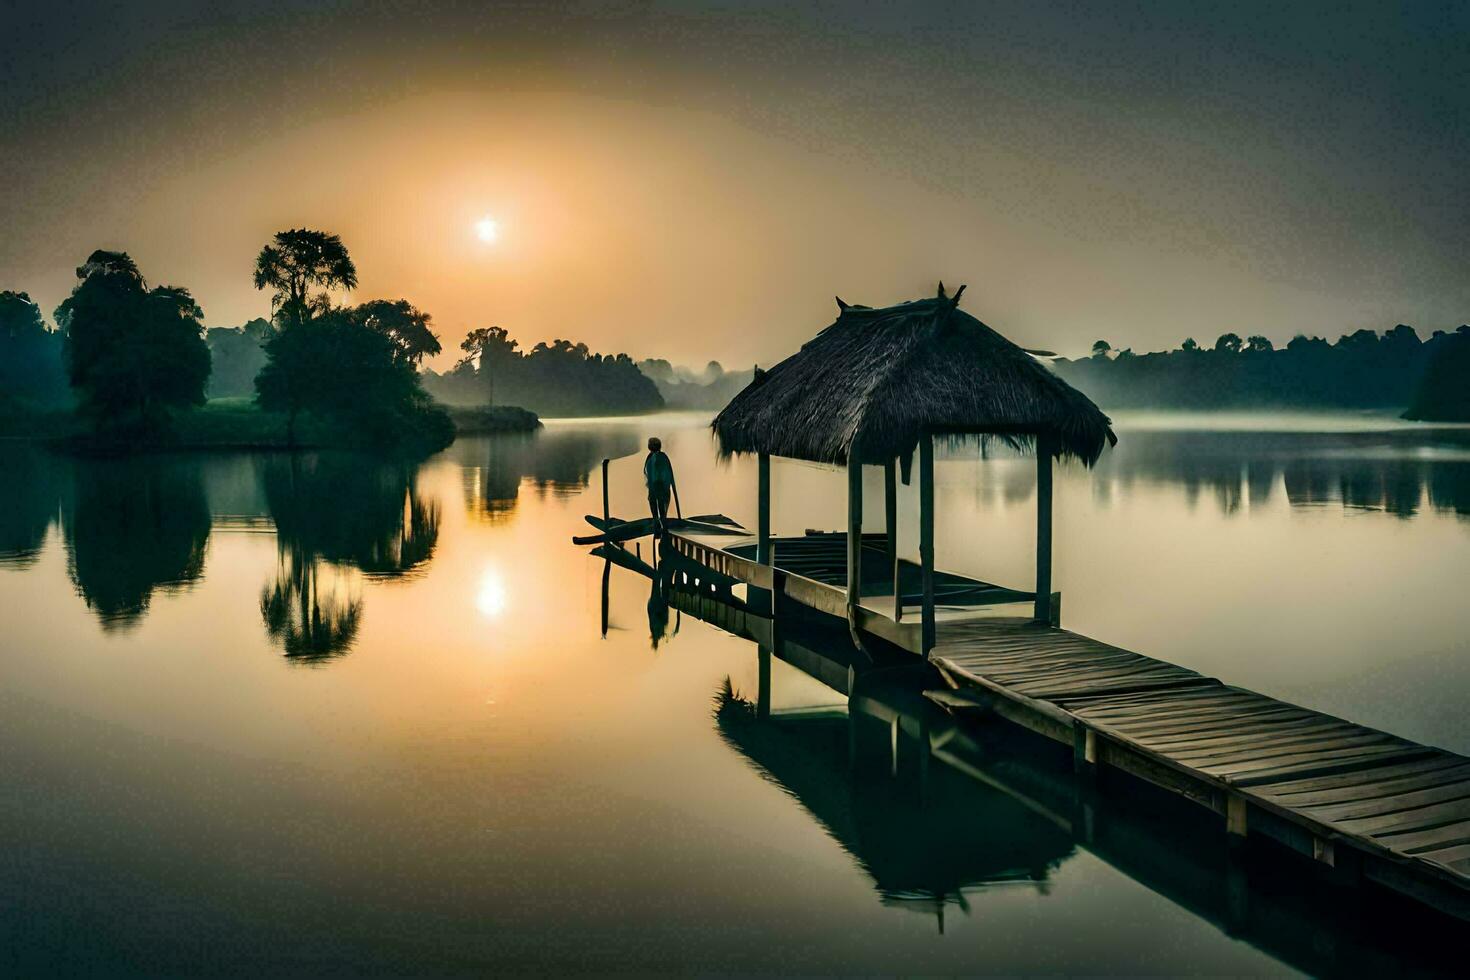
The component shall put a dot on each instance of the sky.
(698, 180)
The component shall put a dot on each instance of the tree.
(296, 261)
(1301, 343)
(335, 367)
(129, 350)
(493, 350)
(1363, 340)
(31, 373)
(20, 318)
(1228, 343)
(1259, 344)
(1402, 336)
(1101, 348)
(401, 323)
(1189, 344)
(1443, 394)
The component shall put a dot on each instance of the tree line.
(1361, 370)
(128, 356)
(561, 378)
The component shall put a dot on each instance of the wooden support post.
(763, 509)
(1084, 753)
(926, 538)
(606, 515)
(763, 533)
(763, 683)
(890, 528)
(1235, 820)
(854, 536)
(1237, 876)
(606, 582)
(1043, 529)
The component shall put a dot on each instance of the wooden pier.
(880, 387)
(1343, 794)
(1359, 801)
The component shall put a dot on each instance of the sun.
(487, 229)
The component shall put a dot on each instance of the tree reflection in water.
(339, 517)
(555, 460)
(1396, 471)
(133, 526)
(30, 501)
(309, 626)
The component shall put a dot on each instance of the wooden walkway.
(811, 570)
(822, 557)
(1348, 796)
(1360, 801)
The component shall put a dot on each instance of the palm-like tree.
(295, 262)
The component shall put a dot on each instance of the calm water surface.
(263, 713)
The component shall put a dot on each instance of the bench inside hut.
(875, 388)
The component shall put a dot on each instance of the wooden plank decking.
(1316, 782)
(812, 570)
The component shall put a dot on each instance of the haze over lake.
(259, 716)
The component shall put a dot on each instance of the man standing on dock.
(658, 473)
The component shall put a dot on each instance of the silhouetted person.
(658, 473)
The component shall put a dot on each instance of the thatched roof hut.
(876, 380)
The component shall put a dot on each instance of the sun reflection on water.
(490, 599)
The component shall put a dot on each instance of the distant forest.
(684, 389)
(556, 379)
(116, 337)
(1363, 370)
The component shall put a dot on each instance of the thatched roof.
(876, 379)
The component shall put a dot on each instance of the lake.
(275, 714)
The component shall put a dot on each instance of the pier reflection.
(927, 840)
(938, 809)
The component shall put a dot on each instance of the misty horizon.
(1089, 172)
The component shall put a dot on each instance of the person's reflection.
(133, 526)
(658, 611)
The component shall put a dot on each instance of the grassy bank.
(490, 419)
(238, 424)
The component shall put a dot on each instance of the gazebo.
(880, 383)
